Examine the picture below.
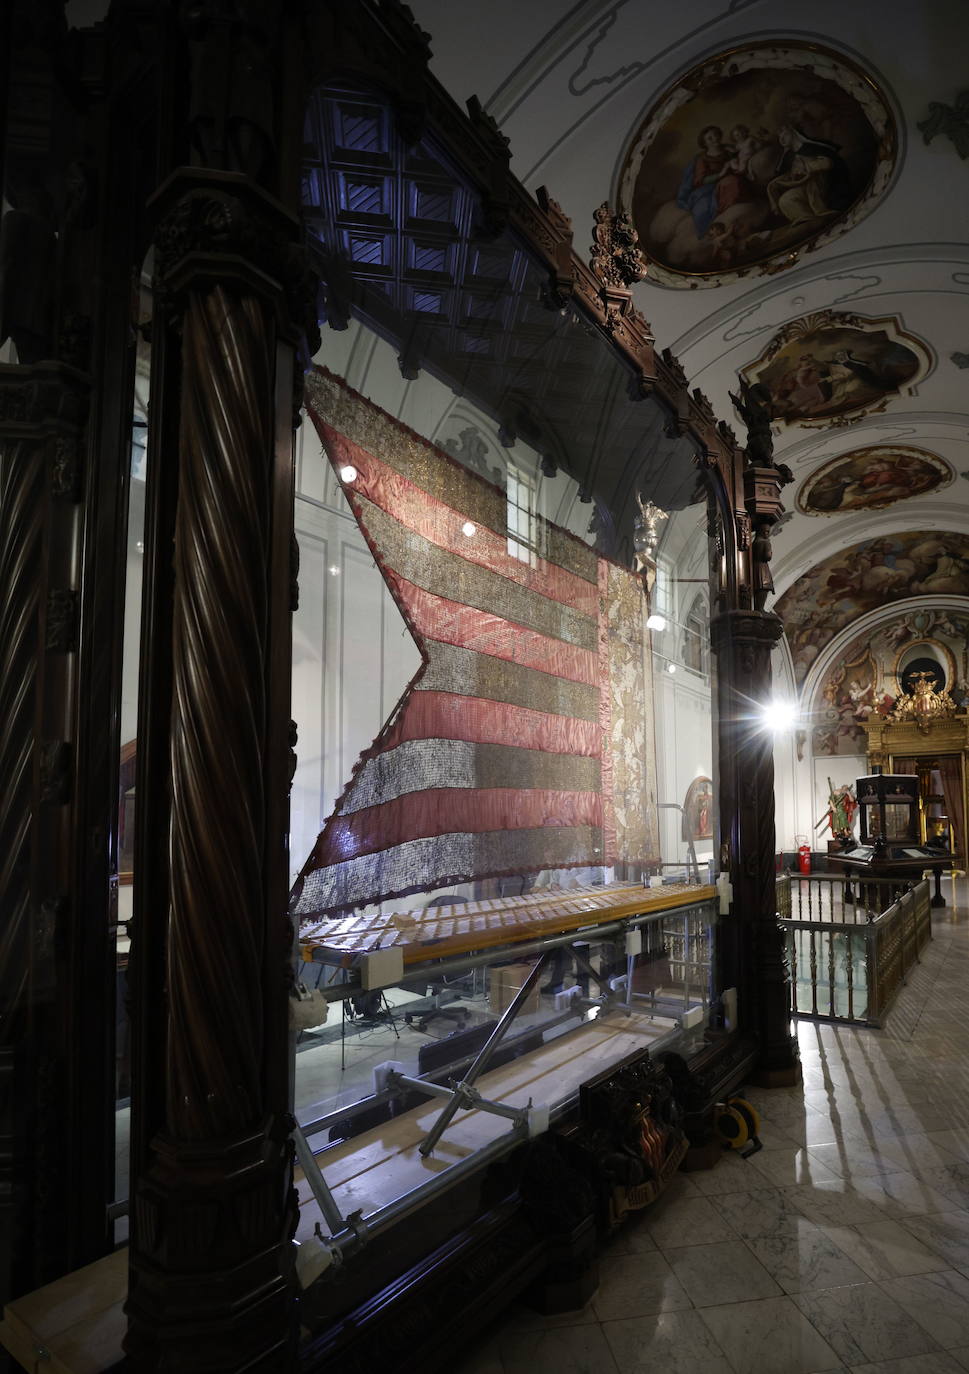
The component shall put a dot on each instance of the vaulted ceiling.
(572, 85)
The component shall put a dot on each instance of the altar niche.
(928, 743)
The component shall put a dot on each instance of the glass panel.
(897, 821)
(354, 658)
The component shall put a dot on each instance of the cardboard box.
(504, 981)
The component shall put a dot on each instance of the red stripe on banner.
(435, 617)
(609, 837)
(443, 715)
(451, 810)
(442, 525)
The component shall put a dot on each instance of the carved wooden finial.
(617, 259)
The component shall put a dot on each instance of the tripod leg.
(390, 1014)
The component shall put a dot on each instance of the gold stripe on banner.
(446, 574)
(470, 674)
(422, 764)
(432, 470)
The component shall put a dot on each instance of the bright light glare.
(469, 529)
(671, 667)
(656, 622)
(779, 715)
(348, 473)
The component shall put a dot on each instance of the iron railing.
(850, 944)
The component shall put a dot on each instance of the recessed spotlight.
(348, 473)
(469, 529)
(333, 570)
(656, 622)
(671, 667)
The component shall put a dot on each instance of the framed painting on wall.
(698, 810)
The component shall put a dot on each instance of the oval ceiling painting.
(827, 369)
(760, 154)
(872, 478)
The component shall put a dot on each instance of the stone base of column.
(778, 1078)
(212, 1280)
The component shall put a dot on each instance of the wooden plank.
(78, 1319)
(373, 1168)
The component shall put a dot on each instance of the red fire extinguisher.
(803, 856)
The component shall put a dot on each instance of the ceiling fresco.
(866, 575)
(759, 154)
(872, 479)
(829, 368)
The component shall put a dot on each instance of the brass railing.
(847, 958)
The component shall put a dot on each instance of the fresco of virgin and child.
(755, 157)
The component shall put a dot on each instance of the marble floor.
(843, 1245)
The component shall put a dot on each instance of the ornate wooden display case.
(890, 808)
(888, 804)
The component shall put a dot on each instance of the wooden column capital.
(218, 226)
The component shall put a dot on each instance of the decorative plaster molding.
(951, 121)
(843, 267)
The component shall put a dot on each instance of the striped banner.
(525, 740)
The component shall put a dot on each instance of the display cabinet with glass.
(892, 841)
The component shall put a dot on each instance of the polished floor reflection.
(844, 1244)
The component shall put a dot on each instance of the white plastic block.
(382, 968)
(564, 998)
(725, 889)
(380, 1072)
(634, 942)
(312, 1258)
(538, 1120)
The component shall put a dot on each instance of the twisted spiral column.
(218, 718)
(214, 1210)
(21, 519)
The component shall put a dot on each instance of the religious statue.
(646, 530)
(762, 552)
(753, 405)
(840, 815)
